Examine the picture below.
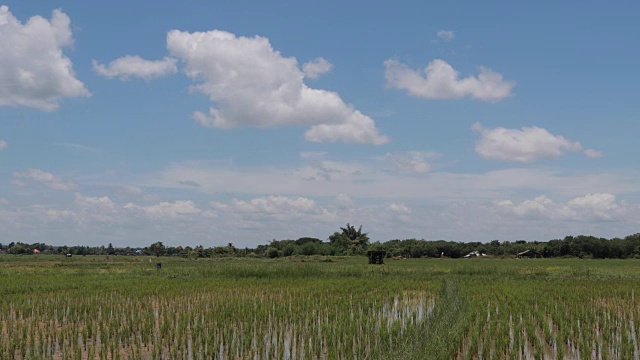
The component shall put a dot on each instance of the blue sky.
(201, 122)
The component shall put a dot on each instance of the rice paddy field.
(317, 308)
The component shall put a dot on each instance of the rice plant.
(305, 308)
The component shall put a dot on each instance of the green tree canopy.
(157, 248)
(350, 239)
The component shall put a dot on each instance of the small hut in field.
(376, 257)
(529, 254)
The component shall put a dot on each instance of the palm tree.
(350, 239)
(357, 237)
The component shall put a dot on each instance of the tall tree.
(157, 248)
(350, 239)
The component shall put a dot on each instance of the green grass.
(122, 307)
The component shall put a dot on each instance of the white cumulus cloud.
(316, 67)
(254, 85)
(446, 35)
(127, 67)
(45, 178)
(541, 206)
(412, 162)
(590, 207)
(280, 208)
(89, 209)
(3, 144)
(599, 205)
(273, 205)
(399, 212)
(593, 153)
(399, 208)
(103, 202)
(34, 71)
(344, 202)
(167, 210)
(317, 167)
(525, 145)
(439, 80)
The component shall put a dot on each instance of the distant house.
(529, 254)
(474, 254)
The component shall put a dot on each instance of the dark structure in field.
(529, 254)
(376, 257)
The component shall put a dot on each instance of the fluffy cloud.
(593, 153)
(537, 207)
(97, 220)
(45, 178)
(357, 128)
(254, 85)
(272, 205)
(600, 205)
(344, 202)
(320, 175)
(399, 208)
(526, 145)
(439, 80)
(412, 162)
(590, 207)
(3, 144)
(92, 202)
(446, 35)
(399, 212)
(167, 210)
(275, 214)
(316, 67)
(88, 210)
(319, 168)
(134, 66)
(34, 72)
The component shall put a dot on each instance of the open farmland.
(310, 308)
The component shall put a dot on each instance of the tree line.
(351, 242)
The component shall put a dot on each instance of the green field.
(317, 308)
